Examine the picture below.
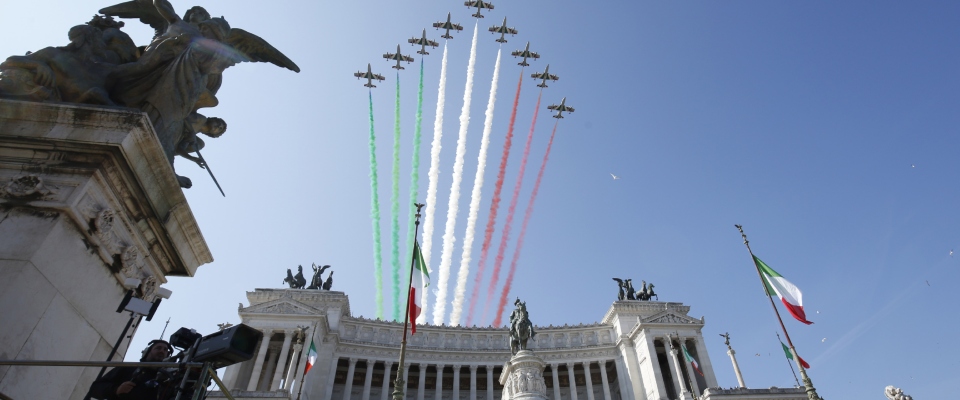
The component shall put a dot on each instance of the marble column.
(678, 374)
(573, 381)
(473, 382)
(385, 392)
(422, 384)
(603, 380)
(269, 369)
(299, 378)
(456, 382)
(556, 381)
(282, 360)
(705, 365)
(348, 386)
(406, 379)
(490, 388)
(258, 365)
(367, 379)
(694, 386)
(292, 370)
(589, 380)
(439, 382)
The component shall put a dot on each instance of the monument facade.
(626, 356)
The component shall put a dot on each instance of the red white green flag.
(686, 354)
(788, 293)
(418, 286)
(789, 354)
(311, 358)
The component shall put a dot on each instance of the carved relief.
(130, 261)
(27, 186)
(149, 288)
(672, 319)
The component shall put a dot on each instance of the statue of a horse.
(519, 336)
(295, 282)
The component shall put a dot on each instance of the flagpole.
(791, 366)
(399, 383)
(807, 383)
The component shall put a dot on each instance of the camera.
(217, 350)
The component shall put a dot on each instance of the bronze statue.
(622, 295)
(178, 73)
(329, 283)
(317, 281)
(521, 329)
(295, 282)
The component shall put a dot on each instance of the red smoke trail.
(498, 187)
(510, 213)
(523, 230)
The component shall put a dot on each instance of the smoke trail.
(495, 204)
(375, 214)
(415, 174)
(434, 174)
(446, 256)
(464, 271)
(395, 208)
(523, 230)
(498, 262)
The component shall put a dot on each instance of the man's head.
(196, 15)
(156, 350)
(214, 127)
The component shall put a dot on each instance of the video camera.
(216, 350)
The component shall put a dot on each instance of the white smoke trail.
(446, 256)
(464, 271)
(434, 175)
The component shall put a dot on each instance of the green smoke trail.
(375, 215)
(395, 208)
(415, 171)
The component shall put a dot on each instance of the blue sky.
(827, 129)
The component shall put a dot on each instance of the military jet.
(561, 108)
(398, 57)
(423, 42)
(525, 53)
(503, 30)
(546, 75)
(448, 26)
(480, 5)
(369, 76)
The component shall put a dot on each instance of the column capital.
(388, 364)
(602, 363)
(456, 367)
(570, 364)
(353, 360)
(440, 367)
(423, 365)
(473, 367)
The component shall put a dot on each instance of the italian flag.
(418, 285)
(686, 354)
(789, 354)
(788, 293)
(311, 358)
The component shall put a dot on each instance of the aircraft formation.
(448, 26)
(397, 58)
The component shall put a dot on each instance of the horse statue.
(521, 329)
(329, 282)
(295, 282)
(651, 294)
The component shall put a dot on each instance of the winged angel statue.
(177, 74)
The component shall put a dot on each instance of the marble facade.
(626, 356)
(87, 200)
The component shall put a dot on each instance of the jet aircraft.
(480, 5)
(398, 57)
(448, 26)
(369, 76)
(546, 75)
(503, 30)
(525, 53)
(561, 108)
(423, 42)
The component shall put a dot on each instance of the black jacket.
(105, 388)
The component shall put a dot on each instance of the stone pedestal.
(87, 199)
(522, 377)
